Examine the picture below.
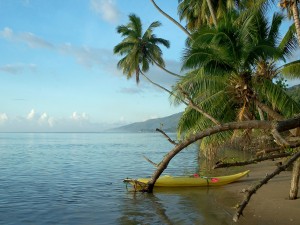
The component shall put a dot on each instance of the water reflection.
(178, 206)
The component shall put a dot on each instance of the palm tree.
(139, 49)
(194, 12)
(291, 6)
(212, 12)
(231, 71)
(201, 12)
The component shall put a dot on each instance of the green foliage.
(233, 65)
(139, 49)
(281, 83)
(294, 92)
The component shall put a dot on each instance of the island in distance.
(167, 124)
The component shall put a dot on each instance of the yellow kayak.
(198, 181)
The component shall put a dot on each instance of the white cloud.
(107, 9)
(131, 90)
(28, 38)
(79, 117)
(85, 56)
(31, 115)
(7, 33)
(3, 117)
(18, 68)
(43, 122)
(25, 2)
(33, 41)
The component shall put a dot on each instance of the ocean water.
(76, 178)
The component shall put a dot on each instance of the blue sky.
(58, 71)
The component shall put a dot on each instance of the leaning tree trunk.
(295, 11)
(170, 18)
(295, 180)
(157, 85)
(164, 69)
(212, 13)
(190, 103)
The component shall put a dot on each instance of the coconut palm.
(139, 49)
(194, 12)
(231, 68)
(292, 9)
(200, 12)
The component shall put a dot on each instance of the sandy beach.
(270, 205)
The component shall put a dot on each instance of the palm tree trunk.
(170, 18)
(190, 103)
(268, 110)
(296, 167)
(296, 19)
(212, 13)
(157, 85)
(274, 115)
(295, 180)
(193, 105)
(164, 69)
(261, 113)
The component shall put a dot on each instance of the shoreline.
(270, 205)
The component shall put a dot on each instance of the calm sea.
(76, 178)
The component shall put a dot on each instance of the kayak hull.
(170, 181)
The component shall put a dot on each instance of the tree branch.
(254, 189)
(168, 138)
(150, 161)
(252, 161)
(275, 149)
(279, 139)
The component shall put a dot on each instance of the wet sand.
(270, 205)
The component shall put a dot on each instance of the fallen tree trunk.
(253, 190)
(280, 126)
(252, 161)
(277, 149)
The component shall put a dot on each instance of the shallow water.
(76, 178)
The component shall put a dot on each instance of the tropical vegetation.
(235, 63)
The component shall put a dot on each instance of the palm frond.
(123, 48)
(277, 98)
(135, 24)
(289, 42)
(274, 28)
(291, 70)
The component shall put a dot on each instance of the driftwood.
(253, 190)
(252, 161)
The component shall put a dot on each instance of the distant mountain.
(167, 124)
(294, 92)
